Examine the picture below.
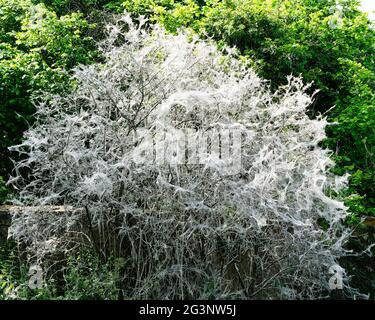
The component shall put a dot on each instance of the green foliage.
(3, 191)
(84, 277)
(36, 49)
(9, 269)
(170, 13)
(62, 7)
(6, 278)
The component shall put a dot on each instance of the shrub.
(82, 276)
(7, 270)
(37, 48)
(3, 191)
(116, 148)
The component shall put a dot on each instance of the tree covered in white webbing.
(184, 162)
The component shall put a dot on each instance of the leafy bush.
(8, 270)
(83, 276)
(87, 7)
(36, 49)
(87, 277)
(3, 191)
(190, 229)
